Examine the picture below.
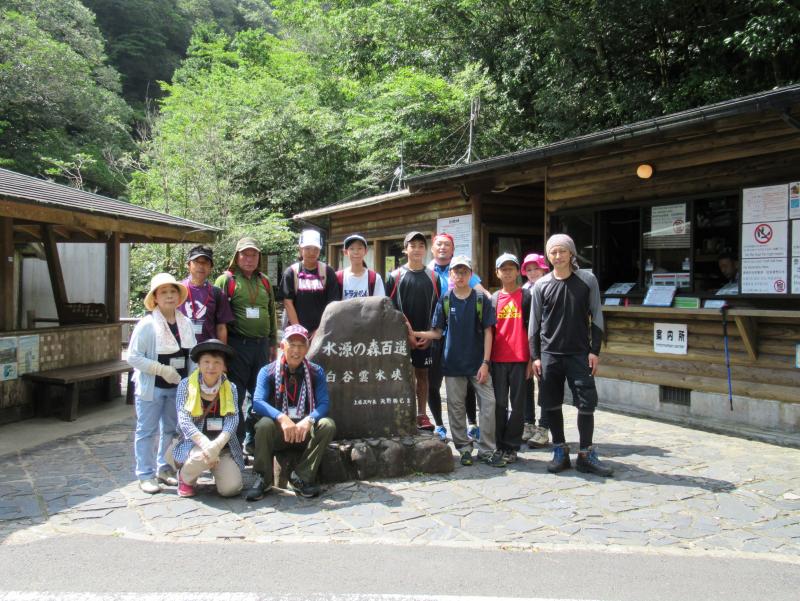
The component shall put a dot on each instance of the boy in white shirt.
(358, 281)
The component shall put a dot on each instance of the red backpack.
(371, 277)
(230, 284)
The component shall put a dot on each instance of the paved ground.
(676, 490)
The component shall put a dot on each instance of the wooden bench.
(68, 378)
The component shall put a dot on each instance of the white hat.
(163, 279)
(310, 238)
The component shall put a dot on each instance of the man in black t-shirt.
(414, 291)
(565, 346)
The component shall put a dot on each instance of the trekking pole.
(724, 310)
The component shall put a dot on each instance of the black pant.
(509, 386)
(251, 355)
(530, 405)
(575, 370)
(435, 378)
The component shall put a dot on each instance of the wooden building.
(35, 215)
(650, 205)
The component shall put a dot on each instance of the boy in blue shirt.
(467, 318)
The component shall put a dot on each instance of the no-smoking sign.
(762, 233)
(678, 226)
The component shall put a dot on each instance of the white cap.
(310, 238)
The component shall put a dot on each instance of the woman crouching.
(207, 420)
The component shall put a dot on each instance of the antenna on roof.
(399, 172)
(474, 110)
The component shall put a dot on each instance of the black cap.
(353, 238)
(201, 251)
(414, 236)
(212, 345)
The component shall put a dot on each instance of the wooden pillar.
(112, 278)
(54, 269)
(7, 289)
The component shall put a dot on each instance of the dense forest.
(240, 112)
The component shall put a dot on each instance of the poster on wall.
(27, 354)
(764, 276)
(796, 275)
(794, 200)
(668, 220)
(460, 228)
(670, 338)
(764, 239)
(796, 238)
(768, 203)
(8, 358)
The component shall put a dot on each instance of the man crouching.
(292, 398)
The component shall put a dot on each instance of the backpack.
(230, 284)
(479, 298)
(398, 274)
(322, 269)
(527, 298)
(371, 277)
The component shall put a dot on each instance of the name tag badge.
(252, 312)
(178, 362)
(214, 424)
(293, 412)
(197, 326)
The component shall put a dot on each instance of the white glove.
(169, 373)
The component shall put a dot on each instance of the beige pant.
(227, 475)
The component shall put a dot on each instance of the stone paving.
(674, 489)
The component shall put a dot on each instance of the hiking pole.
(724, 310)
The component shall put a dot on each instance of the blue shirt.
(443, 271)
(264, 402)
(463, 347)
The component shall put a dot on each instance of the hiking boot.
(540, 438)
(441, 432)
(527, 432)
(589, 463)
(560, 461)
(493, 459)
(466, 458)
(149, 486)
(423, 423)
(510, 456)
(259, 488)
(185, 490)
(302, 488)
(474, 432)
(167, 476)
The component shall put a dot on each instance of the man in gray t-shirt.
(565, 346)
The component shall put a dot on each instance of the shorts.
(575, 370)
(421, 358)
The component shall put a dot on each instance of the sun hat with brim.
(163, 279)
(243, 244)
(212, 345)
(461, 261)
(537, 260)
(506, 258)
(294, 330)
(354, 238)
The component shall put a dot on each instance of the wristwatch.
(486, 362)
(311, 420)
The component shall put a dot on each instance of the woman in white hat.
(159, 353)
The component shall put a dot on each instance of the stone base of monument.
(373, 458)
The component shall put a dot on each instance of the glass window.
(617, 248)
(666, 244)
(580, 229)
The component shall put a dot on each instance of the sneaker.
(466, 457)
(510, 456)
(259, 488)
(185, 490)
(441, 432)
(167, 476)
(540, 438)
(423, 423)
(474, 432)
(527, 432)
(149, 486)
(493, 459)
(589, 463)
(302, 488)
(560, 461)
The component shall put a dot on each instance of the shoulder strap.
(397, 275)
(479, 298)
(265, 281)
(322, 269)
(295, 270)
(527, 298)
(230, 284)
(495, 297)
(434, 281)
(340, 279)
(371, 277)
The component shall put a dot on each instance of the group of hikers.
(212, 384)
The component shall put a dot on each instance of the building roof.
(779, 99)
(353, 204)
(128, 218)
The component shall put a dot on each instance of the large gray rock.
(363, 346)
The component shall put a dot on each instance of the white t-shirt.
(357, 287)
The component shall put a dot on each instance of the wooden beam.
(748, 329)
(33, 230)
(7, 313)
(112, 278)
(54, 269)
